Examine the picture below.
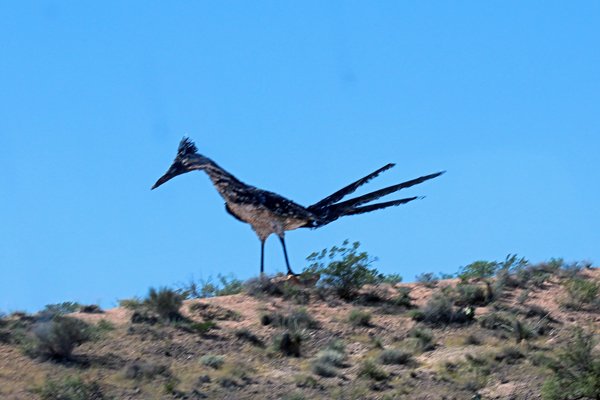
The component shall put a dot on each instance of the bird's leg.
(286, 257)
(262, 257)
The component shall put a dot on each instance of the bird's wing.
(283, 207)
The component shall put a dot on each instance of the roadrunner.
(268, 212)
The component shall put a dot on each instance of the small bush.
(297, 395)
(337, 345)
(429, 280)
(212, 361)
(289, 342)
(70, 388)
(394, 356)
(478, 269)
(360, 318)
(66, 307)
(327, 362)
(416, 315)
(371, 370)
(133, 303)
(424, 337)
(149, 370)
(511, 355)
(90, 309)
(166, 302)
(576, 370)
(226, 285)
(203, 327)
(470, 295)
(403, 299)
(495, 320)
(346, 276)
(262, 285)
(57, 338)
(104, 325)
(392, 279)
(523, 297)
(298, 318)
(581, 292)
(473, 339)
(439, 311)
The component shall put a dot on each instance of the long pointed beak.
(162, 180)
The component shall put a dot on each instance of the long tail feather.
(378, 206)
(379, 193)
(337, 196)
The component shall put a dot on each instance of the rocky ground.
(330, 350)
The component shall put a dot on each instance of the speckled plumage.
(268, 212)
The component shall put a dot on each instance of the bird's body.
(268, 212)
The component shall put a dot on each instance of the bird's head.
(187, 160)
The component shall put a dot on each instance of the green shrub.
(580, 292)
(70, 388)
(297, 318)
(470, 295)
(495, 321)
(509, 354)
(371, 370)
(360, 318)
(423, 335)
(576, 370)
(416, 315)
(166, 302)
(346, 276)
(203, 327)
(66, 307)
(212, 361)
(337, 345)
(297, 395)
(226, 285)
(439, 311)
(143, 369)
(394, 356)
(429, 280)
(392, 279)
(326, 363)
(133, 303)
(58, 337)
(478, 269)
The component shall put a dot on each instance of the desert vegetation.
(505, 329)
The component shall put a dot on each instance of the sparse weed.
(327, 362)
(133, 303)
(203, 327)
(66, 307)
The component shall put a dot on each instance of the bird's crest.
(186, 147)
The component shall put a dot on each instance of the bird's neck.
(224, 182)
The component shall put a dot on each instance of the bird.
(269, 213)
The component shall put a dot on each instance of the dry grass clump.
(360, 318)
(212, 361)
(394, 356)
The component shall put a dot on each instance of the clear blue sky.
(300, 98)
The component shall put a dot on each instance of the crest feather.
(186, 147)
